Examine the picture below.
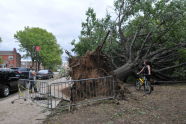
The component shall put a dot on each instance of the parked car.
(9, 80)
(23, 72)
(44, 74)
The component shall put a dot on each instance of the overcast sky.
(61, 17)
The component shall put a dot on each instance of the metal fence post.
(114, 95)
(49, 97)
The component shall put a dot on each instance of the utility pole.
(33, 54)
(37, 49)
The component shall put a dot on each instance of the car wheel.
(5, 91)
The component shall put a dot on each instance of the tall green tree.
(49, 55)
(92, 33)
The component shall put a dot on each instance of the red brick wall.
(9, 62)
(15, 62)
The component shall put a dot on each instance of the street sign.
(37, 48)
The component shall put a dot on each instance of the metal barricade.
(84, 91)
(68, 93)
(39, 93)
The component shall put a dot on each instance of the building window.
(10, 57)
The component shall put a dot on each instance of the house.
(26, 63)
(10, 59)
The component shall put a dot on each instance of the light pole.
(37, 49)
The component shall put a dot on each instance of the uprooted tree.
(152, 30)
(93, 64)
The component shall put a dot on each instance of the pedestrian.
(32, 80)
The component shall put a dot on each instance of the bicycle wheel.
(147, 87)
(138, 85)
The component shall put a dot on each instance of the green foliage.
(92, 33)
(165, 19)
(159, 16)
(64, 72)
(50, 54)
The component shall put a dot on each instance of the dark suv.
(8, 81)
(23, 72)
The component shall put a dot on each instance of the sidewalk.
(21, 112)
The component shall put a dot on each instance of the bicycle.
(142, 81)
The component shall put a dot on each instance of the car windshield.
(19, 69)
(43, 71)
(22, 69)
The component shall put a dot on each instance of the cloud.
(61, 17)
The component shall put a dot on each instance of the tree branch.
(171, 67)
(121, 34)
(142, 46)
(162, 52)
(131, 46)
(153, 42)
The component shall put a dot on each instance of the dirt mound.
(91, 65)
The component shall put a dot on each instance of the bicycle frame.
(142, 81)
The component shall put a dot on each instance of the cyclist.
(146, 70)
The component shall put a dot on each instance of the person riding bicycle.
(146, 70)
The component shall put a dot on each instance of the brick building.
(10, 59)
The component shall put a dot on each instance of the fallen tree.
(151, 41)
(143, 30)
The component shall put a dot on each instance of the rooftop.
(9, 52)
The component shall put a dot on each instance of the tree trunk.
(124, 71)
(32, 63)
(38, 66)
